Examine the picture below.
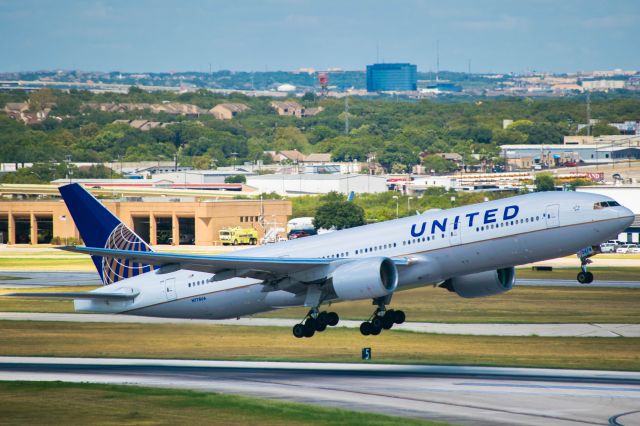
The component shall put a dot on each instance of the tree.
(545, 182)
(438, 164)
(201, 162)
(338, 215)
(41, 99)
(235, 179)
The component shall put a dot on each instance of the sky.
(241, 35)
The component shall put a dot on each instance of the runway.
(542, 330)
(462, 395)
(28, 279)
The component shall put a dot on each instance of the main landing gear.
(381, 319)
(315, 321)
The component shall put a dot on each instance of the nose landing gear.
(584, 276)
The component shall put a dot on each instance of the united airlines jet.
(470, 250)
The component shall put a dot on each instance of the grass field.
(521, 305)
(601, 273)
(34, 403)
(18, 304)
(186, 341)
(24, 262)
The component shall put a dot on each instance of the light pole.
(69, 171)
(409, 204)
(395, 197)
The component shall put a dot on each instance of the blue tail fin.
(100, 228)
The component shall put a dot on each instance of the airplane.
(470, 250)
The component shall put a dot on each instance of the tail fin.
(102, 229)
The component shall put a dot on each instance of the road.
(28, 279)
(542, 330)
(461, 395)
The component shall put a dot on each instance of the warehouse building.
(158, 222)
(318, 183)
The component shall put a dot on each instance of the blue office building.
(392, 77)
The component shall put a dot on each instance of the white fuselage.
(439, 245)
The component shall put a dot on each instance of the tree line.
(391, 133)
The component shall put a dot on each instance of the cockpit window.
(603, 204)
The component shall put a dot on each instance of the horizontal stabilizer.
(78, 295)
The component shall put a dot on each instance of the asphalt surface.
(461, 395)
(542, 330)
(28, 279)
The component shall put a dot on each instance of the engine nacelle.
(482, 284)
(365, 279)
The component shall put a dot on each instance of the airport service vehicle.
(470, 250)
(238, 235)
(626, 248)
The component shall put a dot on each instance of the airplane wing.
(78, 295)
(227, 266)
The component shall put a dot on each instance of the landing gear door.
(552, 215)
(170, 288)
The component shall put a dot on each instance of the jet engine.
(365, 279)
(482, 284)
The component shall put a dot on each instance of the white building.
(318, 183)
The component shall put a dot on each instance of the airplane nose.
(626, 213)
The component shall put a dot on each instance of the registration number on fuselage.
(198, 299)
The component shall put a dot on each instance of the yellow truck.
(238, 235)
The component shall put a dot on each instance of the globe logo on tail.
(114, 269)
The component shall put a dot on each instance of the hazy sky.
(178, 35)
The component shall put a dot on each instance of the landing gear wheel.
(375, 330)
(309, 328)
(298, 331)
(388, 319)
(321, 321)
(589, 278)
(399, 317)
(365, 328)
(332, 319)
(582, 278)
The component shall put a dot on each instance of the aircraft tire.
(589, 278)
(388, 319)
(332, 319)
(582, 277)
(365, 328)
(309, 330)
(399, 317)
(375, 330)
(321, 323)
(298, 331)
